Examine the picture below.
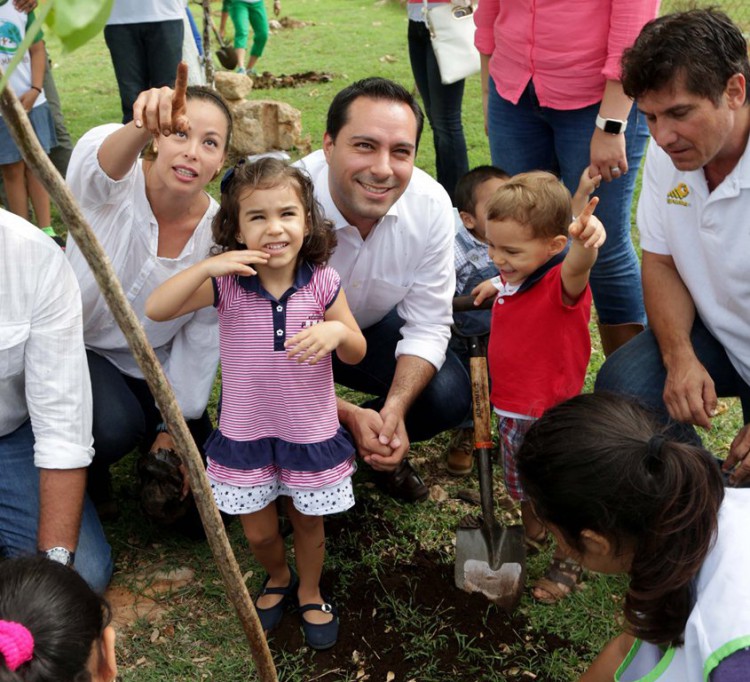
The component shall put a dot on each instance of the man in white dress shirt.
(395, 233)
(45, 408)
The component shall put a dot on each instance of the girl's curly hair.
(265, 174)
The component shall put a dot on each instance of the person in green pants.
(246, 13)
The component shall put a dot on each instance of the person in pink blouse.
(553, 101)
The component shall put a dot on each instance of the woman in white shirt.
(153, 218)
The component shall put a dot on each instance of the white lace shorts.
(232, 499)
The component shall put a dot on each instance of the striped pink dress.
(278, 419)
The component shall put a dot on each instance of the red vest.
(539, 347)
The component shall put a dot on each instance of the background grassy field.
(198, 637)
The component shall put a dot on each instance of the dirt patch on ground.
(406, 620)
(268, 81)
(288, 22)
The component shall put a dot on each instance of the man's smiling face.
(371, 160)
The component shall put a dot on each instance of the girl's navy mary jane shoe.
(271, 617)
(324, 635)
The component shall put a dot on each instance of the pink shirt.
(568, 48)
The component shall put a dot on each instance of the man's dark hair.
(374, 88)
(466, 187)
(702, 46)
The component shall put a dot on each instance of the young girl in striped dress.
(281, 314)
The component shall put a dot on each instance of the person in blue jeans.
(46, 442)
(689, 73)
(554, 105)
(442, 103)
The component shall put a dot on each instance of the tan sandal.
(562, 577)
(537, 544)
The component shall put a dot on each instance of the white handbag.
(451, 29)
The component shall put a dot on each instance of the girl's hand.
(314, 343)
(234, 263)
(162, 110)
(27, 99)
(587, 229)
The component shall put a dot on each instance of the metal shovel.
(490, 559)
(226, 54)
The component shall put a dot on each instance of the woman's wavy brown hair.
(265, 174)
(601, 463)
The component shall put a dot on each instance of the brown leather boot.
(615, 335)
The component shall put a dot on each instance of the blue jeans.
(126, 415)
(442, 105)
(527, 136)
(19, 512)
(145, 56)
(636, 369)
(443, 404)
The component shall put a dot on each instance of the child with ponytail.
(53, 626)
(621, 497)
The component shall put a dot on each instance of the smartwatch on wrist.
(613, 126)
(59, 554)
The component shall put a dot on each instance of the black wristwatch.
(59, 554)
(613, 126)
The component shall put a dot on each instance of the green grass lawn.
(380, 554)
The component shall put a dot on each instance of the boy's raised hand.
(587, 229)
(314, 343)
(162, 110)
(234, 263)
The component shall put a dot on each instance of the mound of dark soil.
(267, 81)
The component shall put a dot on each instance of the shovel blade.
(227, 57)
(492, 564)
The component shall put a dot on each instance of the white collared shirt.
(43, 370)
(406, 262)
(121, 216)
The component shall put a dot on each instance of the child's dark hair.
(537, 200)
(468, 183)
(600, 462)
(265, 174)
(63, 614)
